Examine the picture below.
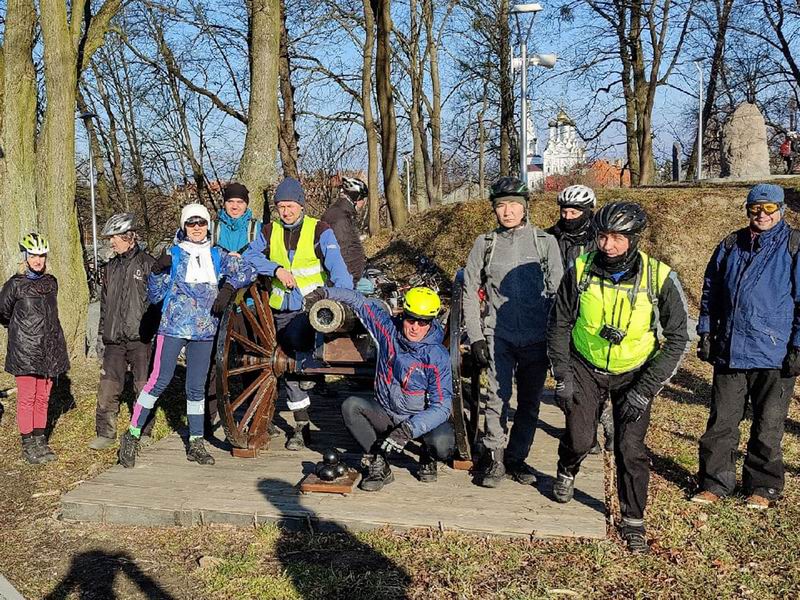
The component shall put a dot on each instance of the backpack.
(488, 252)
(252, 232)
(794, 243)
(786, 148)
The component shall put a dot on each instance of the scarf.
(200, 267)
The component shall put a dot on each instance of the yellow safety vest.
(305, 266)
(630, 306)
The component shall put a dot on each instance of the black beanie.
(236, 190)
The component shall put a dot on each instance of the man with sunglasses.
(413, 385)
(749, 331)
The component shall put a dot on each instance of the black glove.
(564, 391)
(163, 262)
(633, 407)
(480, 353)
(704, 348)
(397, 439)
(224, 296)
(314, 296)
(791, 364)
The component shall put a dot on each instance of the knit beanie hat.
(194, 210)
(765, 192)
(236, 190)
(290, 190)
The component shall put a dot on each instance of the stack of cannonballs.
(330, 467)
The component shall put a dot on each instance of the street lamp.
(698, 64)
(407, 161)
(86, 117)
(538, 60)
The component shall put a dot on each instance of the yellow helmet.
(422, 303)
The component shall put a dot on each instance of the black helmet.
(508, 186)
(621, 217)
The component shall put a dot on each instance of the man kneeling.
(413, 385)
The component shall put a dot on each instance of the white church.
(564, 150)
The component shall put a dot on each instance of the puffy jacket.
(519, 290)
(125, 313)
(325, 247)
(413, 381)
(234, 235)
(36, 345)
(341, 216)
(750, 301)
(574, 243)
(186, 311)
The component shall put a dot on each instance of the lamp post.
(86, 117)
(541, 60)
(407, 161)
(697, 64)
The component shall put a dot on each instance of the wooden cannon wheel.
(248, 363)
(466, 377)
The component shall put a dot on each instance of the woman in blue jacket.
(413, 385)
(186, 278)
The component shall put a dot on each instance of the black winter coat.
(36, 345)
(573, 244)
(125, 313)
(341, 216)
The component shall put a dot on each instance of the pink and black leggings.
(33, 396)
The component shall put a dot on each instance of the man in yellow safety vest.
(603, 341)
(300, 254)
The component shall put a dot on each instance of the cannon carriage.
(249, 362)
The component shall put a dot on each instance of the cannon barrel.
(330, 316)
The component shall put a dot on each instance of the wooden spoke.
(266, 407)
(248, 368)
(251, 318)
(248, 391)
(249, 344)
(257, 401)
(263, 311)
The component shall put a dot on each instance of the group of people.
(580, 300)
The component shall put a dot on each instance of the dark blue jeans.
(366, 420)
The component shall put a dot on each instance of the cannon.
(249, 362)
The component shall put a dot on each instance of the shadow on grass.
(687, 388)
(92, 575)
(325, 560)
(62, 401)
(673, 472)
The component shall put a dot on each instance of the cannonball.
(330, 457)
(341, 469)
(327, 473)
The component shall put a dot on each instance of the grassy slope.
(723, 551)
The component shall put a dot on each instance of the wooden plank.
(342, 485)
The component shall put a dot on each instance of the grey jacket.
(519, 291)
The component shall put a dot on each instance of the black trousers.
(116, 358)
(592, 387)
(366, 420)
(769, 394)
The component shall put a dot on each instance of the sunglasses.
(767, 208)
(413, 320)
(197, 223)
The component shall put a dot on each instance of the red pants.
(33, 396)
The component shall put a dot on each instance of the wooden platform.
(165, 489)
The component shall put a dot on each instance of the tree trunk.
(506, 90)
(257, 167)
(101, 185)
(415, 72)
(112, 144)
(436, 102)
(482, 144)
(383, 59)
(369, 121)
(18, 206)
(288, 134)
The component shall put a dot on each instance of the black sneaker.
(428, 471)
(378, 475)
(197, 452)
(635, 539)
(47, 453)
(564, 488)
(128, 449)
(31, 451)
(520, 472)
(300, 438)
(494, 472)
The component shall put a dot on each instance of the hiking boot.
(596, 449)
(758, 502)
(274, 430)
(635, 539)
(101, 443)
(520, 472)
(31, 452)
(494, 471)
(563, 488)
(300, 438)
(128, 449)
(197, 452)
(705, 497)
(378, 474)
(428, 471)
(47, 453)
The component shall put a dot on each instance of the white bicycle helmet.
(34, 244)
(577, 196)
(354, 187)
(118, 224)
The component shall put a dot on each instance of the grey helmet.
(118, 224)
(577, 196)
(355, 188)
(627, 218)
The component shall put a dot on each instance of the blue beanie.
(765, 192)
(290, 189)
